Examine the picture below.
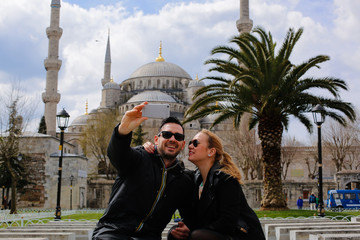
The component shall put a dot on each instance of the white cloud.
(188, 30)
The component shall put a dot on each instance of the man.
(149, 187)
(312, 201)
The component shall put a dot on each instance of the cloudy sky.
(188, 29)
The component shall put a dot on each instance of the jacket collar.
(177, 166)
(214, 170)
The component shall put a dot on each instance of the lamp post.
(319, 117)
(71, 182)
(62, 119)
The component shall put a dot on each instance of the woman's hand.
(181, 231)
(149, 147)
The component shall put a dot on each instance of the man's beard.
(168, 156)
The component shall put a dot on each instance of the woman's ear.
(211, 152)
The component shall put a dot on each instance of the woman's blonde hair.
(227, 164)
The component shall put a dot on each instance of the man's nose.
(172, 138)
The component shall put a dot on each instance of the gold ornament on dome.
(160, 58)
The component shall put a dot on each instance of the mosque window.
(158, 83)
(149, 83)
(167, 83)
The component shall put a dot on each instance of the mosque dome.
(151, 96)
(196, 83)
(112, 85)
(80, 120)
(160, 69)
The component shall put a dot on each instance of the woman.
(220, 208)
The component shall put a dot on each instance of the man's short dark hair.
(171, 120)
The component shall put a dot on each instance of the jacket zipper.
(160, 193)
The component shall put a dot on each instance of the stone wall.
(34, 193)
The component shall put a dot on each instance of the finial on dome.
(86, 107)
(160, 58)
(217, 106)
(197, 77)
(112, 79)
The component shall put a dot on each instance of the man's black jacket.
(145, 193)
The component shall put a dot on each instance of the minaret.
(244, 24)
(107, 66)
(52, 64)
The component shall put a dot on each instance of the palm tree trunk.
(270, 134)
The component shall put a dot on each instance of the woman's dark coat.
(223, 207)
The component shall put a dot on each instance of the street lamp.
(62, 119)
(319, 117)
(71, 182)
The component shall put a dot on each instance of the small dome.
(80, 120)
(196, 83)
(209, 119)
(151, 96)
(160, 69)
(93, 111)
(112, 85)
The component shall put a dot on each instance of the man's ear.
(183, 145)
(156, 139)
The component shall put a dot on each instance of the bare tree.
(353, 161)
(95, 139)
(245, 149)
(288, 152)
(312, 160)
(338, 141)
(17, 112)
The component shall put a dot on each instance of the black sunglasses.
(194, 142)
(168, 135)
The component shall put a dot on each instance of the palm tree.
(267, 88)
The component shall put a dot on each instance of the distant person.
(149, 187)
(300, 203)
(312, 201)
(4, 204)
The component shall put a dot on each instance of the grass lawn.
(260, 214)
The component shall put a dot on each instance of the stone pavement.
(274, 229)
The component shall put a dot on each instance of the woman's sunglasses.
(168, 135)
(194, 142)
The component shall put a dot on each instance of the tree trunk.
(13, 209)
(270, 134)
(13, 187)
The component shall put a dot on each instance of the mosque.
(159, 81)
